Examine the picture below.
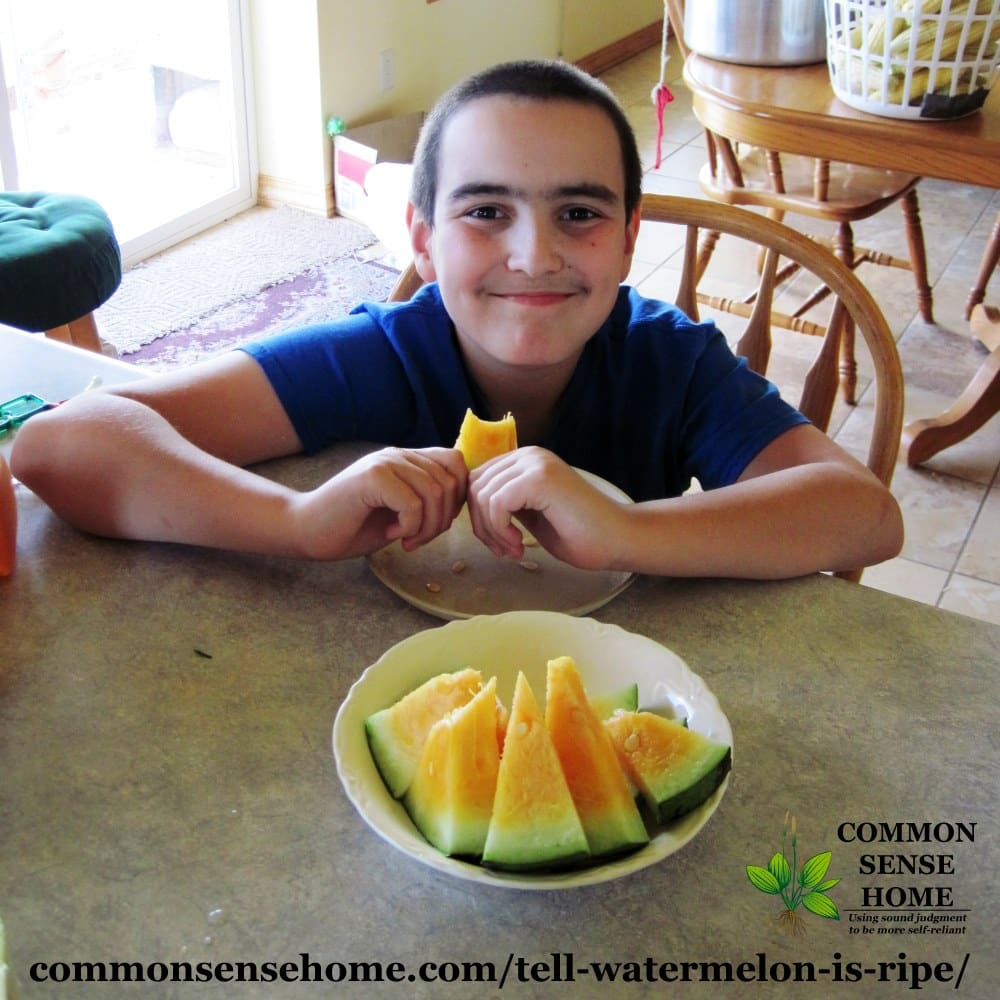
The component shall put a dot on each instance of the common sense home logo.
(796, 885)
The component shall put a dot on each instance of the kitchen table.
(169, 800)
(793, 109)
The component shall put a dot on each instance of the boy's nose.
(533, 247)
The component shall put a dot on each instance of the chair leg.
(848, 364)
(918, 254)
(779, 216)
(991, 256)
(705, 250)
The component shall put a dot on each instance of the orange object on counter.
(8, 521)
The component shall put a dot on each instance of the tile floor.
(951, 506)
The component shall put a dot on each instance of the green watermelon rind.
(453, 828)
(392, 766)
(396, 761)
(612, 825)
(618, 835)
(625, 699)
(539, 847)
(542, 840)
(615, 835)
(447, 833)
(686, 786)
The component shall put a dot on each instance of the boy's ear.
(420, 241)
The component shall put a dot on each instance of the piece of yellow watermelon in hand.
(451, 796)
(535, 823)
(396, 735)
(675, 768)
(480, 440)
(597, 783)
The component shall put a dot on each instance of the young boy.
(524, 215)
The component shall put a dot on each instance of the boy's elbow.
(888, 532)
(28, 453)
(35, 454)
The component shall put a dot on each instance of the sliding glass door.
(140, 104)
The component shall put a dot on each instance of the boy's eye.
(485, 212)
(580, 213)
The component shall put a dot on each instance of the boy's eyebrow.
(584, 189)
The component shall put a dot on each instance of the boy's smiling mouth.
(543, 295)
(536, 299)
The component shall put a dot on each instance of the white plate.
(487, 585)
(499, 645)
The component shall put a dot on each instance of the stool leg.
(80, 332)
(60, 333)
(84, 333)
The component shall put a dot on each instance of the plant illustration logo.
(806, 886)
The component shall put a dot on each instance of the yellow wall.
(314, 59)
(284, 51)
(589, 25)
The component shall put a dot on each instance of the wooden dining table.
(793, 109)
(170, 807)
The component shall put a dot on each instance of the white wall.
(320, 58)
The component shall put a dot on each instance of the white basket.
(928, 59)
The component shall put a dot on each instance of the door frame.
(244, 152)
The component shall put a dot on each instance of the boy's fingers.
(426, 491)
(491, 512)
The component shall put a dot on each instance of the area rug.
(317, 295)
(263, 270)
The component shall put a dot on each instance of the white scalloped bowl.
(608, 658)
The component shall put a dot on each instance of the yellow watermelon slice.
(675, 768)
(480, 440)
(534, 823)
(451, 796)
(396, 735)
(600, 791)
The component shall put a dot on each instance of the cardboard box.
(357, 150)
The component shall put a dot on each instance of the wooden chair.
(407, 283)
(838, 193)
(991, 257)
(850, 297)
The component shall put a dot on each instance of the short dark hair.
(531, 79)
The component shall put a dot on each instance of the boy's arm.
(162, 459)
(802, 505)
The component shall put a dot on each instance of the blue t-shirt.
(655, 399)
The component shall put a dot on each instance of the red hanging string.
(663, 98)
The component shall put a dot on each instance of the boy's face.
(529, 242)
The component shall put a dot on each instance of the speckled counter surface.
(168, 792)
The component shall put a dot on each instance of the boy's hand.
(568, 516)
(413, 495)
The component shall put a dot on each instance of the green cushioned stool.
(59, 261)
